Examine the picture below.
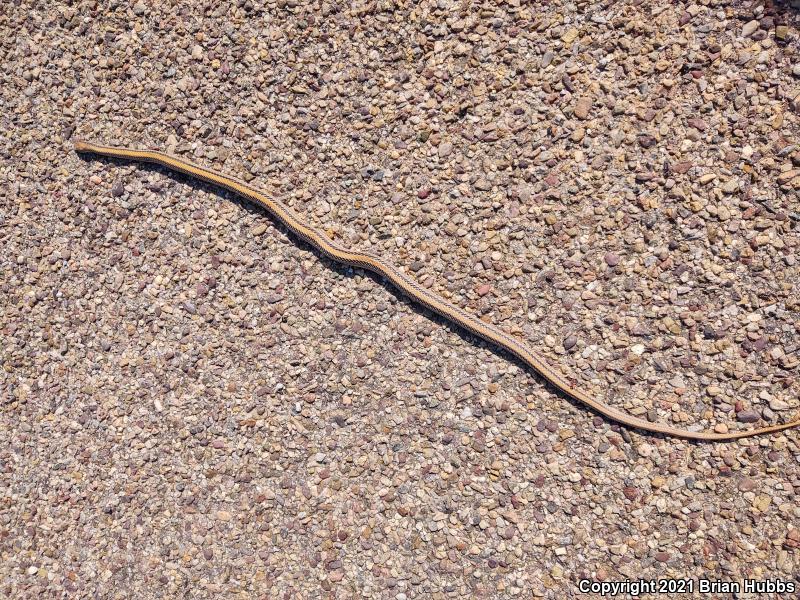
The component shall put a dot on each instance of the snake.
(456, 315)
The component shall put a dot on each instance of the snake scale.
(414, 291)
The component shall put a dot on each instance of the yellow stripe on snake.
(414, 291)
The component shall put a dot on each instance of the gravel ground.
(194, 405)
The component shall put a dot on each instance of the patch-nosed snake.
(414, 291)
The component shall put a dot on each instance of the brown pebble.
(631, 493)
(748, 416)
(747, 484)
(582, 108)
(698, 124)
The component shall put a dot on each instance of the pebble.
(788, 176)
(631, 493)
(646, 141)
(778, 404)
(706, 178)
(747, 484)
(750, 28)
(698, 124)
(582, 108)
(748, 416)
(570, 35)
(730, 186)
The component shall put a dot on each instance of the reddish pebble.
(698, 124)
(747, 484)
(631, 493)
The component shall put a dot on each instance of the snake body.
(414, 291)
